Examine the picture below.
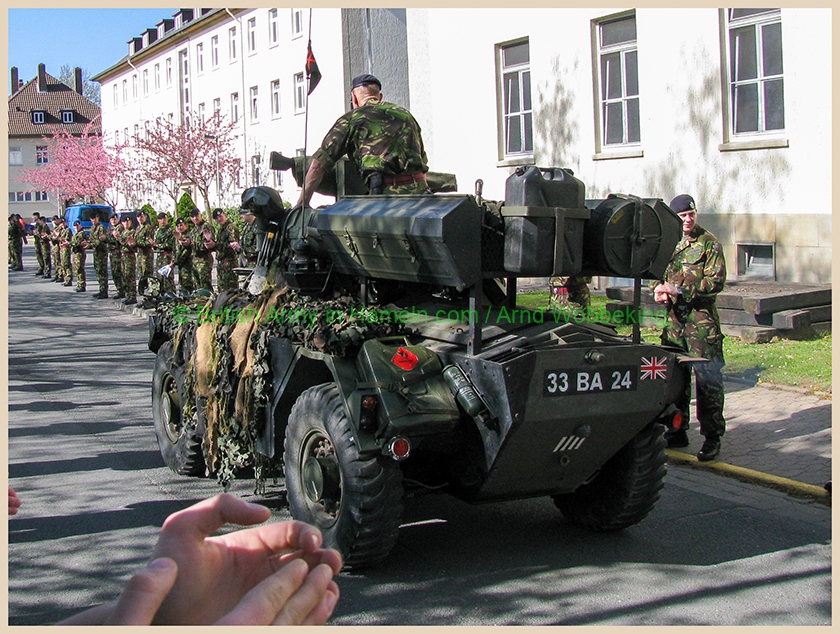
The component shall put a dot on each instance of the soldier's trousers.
(186, 277)
(145, 263)
(226, 279)
(46, 260)
(56, 261)
(66, 265)
(203, 270)
(100, 265)
(79, 269)
(708, 384)
(129, 270)
(167, 281)
(115, 258)
(39, 255)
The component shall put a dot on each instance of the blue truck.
(83, 213)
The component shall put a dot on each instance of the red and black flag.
(312, 71)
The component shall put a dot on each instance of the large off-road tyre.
(624, 490)
(355, 501)
(179, 440)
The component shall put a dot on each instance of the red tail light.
(677, 421)
(399, 448)
(404, 359)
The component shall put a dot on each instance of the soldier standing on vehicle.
(202, 245)
(696, 274)
(381, 138)
(36, 237)
(99, 243)
(115, 254)
(56, 249)
(227, 249)
(43, 231)
(248, 241)
(165, 247)
(78, 244)
(128, 254)
(144, 235)
(183, 257)
(64, 236)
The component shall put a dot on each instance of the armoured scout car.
(378, 351)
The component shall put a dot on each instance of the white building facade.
(729, 106)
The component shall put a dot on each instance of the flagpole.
(306, 114)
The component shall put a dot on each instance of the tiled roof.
(57, 97)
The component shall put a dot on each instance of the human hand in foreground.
(662, 292)
(274, 574)
(14, 502)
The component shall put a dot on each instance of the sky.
(92, 39)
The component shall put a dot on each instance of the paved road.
(83, 456)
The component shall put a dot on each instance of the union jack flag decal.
(653, 368)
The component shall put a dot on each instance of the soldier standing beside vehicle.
(201, 246)
(99, 243)
(183, 257)
(381, 138)
(128, 254)
(696, 274)
(115, 254)
(43, 231)
(227, 249)
(144, 235)
(248, 241)
(78, 244)
(164, 243)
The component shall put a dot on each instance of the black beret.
(161, 215)
(682, 203)
(366, 79)
(195, 212)
(217, 212)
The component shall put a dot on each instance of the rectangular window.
(217, 109)
(515, 90)
(255, 113)
(618, 83)
(15, 156)
(136, 132)
(300, 93)
(234, 107)
(168, 72)
(20, 197)
(67, 116)
(297, 23)
(252, 35)
(145, 82)
(39, 116)
(232, 44)
(214, 51)
(134, 87)
(201, 112)
(275, 98)
(199, 58)
(116, 95)
(157, 77)
(41, 154)
(125, 91)
(41, 197)
(273, 28)
(756, 98)
(126, 138)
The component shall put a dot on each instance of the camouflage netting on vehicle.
(224, 342)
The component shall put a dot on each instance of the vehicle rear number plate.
(568, 382)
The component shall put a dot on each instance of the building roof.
(57, 97)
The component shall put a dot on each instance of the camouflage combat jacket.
(78, 243)
(226, 234)
(143, 234)
(248, 241)
(98, 238)
(113, 241)
(197, 238)
(378, 137)
(165, 240)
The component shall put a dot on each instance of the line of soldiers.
(143, 252)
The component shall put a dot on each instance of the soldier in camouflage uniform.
(56, 249)
(183, 257)
(36, 237)
(694, 277)
(43, 231)
(99, 243)
(64, 236)
(381, 138)
(201, 247)
(78, 244)
(164, 243)
(16, 234)
(115, 254)
(128, 254)
(227, 250)
(563, 290)
(144, 235)
(248, 241)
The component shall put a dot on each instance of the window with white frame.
(146, 130)
(125, 91)
(39, 116)
(273, 28)
(42, 155)
(67, 116)
(214, 51)
(126, 138)
(136, 132)
(232, 44)
(234, 107)
(157, 77)
(515, 91)
(199, 58)
(275, 98)
(134, 87)
(618, 82)
(254, 101)
(300, 93)
(20, 197)
(252, 35)
(41, 197)
(297, 23)
(15, 156)
(116, 95)
(145, 82)
(756, 99)
(217, 108)
(168, 72)
(201, 112)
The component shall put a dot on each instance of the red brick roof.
(57, 97)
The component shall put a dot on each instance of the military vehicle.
(378, 352)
